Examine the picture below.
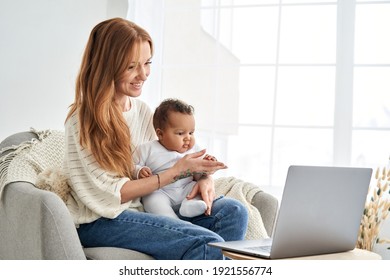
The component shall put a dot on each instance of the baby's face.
(178, 135)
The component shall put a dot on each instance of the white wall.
(41, 44)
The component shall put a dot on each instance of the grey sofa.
(36, 224)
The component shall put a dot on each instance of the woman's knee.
(232, 207)
(232, 219)
(240, 209)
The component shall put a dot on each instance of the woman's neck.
(124, 103)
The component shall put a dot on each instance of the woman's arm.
(188, 164)
(141, 187)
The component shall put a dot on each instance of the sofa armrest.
(36, 224)
(268, 208)
(16, 139)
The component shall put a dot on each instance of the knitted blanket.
(39, 161)
(27, 160)
(244, 192)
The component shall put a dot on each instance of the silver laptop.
(320, 213)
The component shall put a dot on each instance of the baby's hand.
(209, 157)
(144, 172)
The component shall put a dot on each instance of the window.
(371, 114)
(281, 82)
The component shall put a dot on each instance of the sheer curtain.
(276, 82)
(150, 15)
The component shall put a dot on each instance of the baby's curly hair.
(161, 114)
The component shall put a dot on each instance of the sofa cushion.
(111, 253)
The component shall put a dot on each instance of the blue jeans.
(168, 238)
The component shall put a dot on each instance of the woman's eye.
(132, 67)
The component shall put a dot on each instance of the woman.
(103, 126)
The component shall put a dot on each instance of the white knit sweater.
(95, 192)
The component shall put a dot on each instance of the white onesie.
(155, 156)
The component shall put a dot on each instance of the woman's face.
(133, 79)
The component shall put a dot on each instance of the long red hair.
(112, 46)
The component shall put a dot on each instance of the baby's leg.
(158, 203)
(192, 207)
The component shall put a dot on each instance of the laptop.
(320, 213)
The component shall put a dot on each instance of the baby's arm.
(139, 157)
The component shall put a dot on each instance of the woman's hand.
(204, 187)
(194, 163)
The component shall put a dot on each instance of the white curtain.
(149, 15)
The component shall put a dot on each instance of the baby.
(174, 124)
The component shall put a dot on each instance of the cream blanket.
(26, 161)
(38, 161)
(244, 192)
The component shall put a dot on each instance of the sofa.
(36, 224)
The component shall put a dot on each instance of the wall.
(203, 73)
(41, 45)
